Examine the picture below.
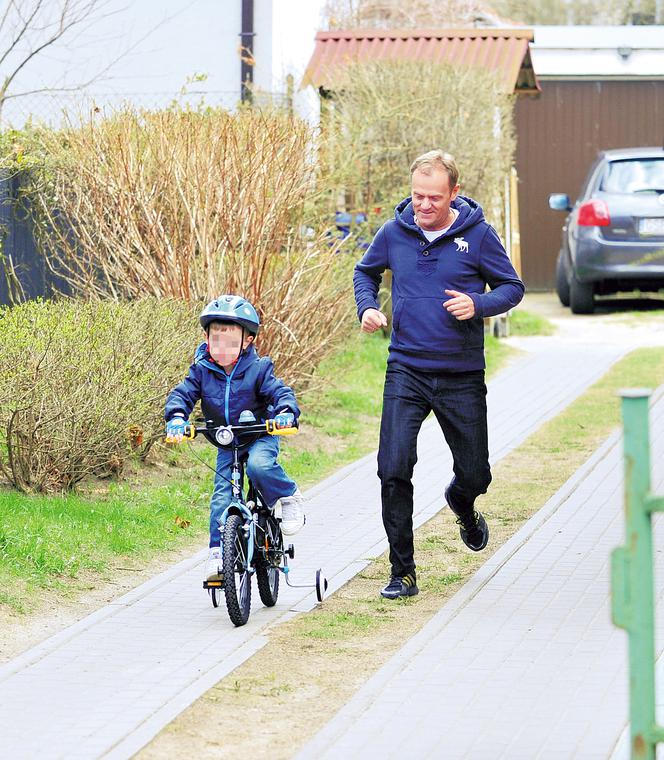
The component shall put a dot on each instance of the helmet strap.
(237, 358)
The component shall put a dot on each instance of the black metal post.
(247, 51)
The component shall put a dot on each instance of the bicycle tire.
(237, 578)
(267, 572)
(267, 578)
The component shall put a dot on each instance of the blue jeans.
(261, 468)
(458, 401)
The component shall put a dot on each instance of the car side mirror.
(560, 202)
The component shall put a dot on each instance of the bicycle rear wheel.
(267, 568)
(267, 577)
(237, 578)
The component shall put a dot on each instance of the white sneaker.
(292, 513)
(213, 564)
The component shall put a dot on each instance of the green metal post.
(632, 576)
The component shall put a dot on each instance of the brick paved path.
(524, 661)
(106, 685)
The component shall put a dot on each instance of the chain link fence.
(57, 108)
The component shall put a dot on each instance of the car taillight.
(594, 214)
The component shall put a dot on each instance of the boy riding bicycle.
(228, 377)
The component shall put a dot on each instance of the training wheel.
(321, 585)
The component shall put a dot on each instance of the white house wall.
(263, 43)
(295, 24)
(169, 41)
(615, 52)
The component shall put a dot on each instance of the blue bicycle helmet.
(233, 309)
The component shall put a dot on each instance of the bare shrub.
(392, 14)
(386, 113)
(618, 12)
(191, 204)
(439, 14)
(83, 385)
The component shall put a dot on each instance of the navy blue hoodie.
(466, 258)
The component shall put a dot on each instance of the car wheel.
(582, 297)
(562, 283)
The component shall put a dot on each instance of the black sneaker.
(472, 527)
(474, 531)
(400, 586)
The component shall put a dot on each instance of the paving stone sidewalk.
(106, 685)
(524, 662)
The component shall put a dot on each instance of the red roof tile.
(505, 51)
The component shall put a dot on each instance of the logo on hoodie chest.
(461, 244)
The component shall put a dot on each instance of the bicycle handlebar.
(224, 434)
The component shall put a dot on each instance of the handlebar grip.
(272, 429)
(190, 432)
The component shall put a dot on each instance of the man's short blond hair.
(437, 159)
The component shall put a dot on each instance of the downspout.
(247, 51)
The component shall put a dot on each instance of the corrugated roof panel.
(474, 52)
(420, 47)
(505, 51)
(491, 51)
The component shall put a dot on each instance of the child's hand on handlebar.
(284, 420)
(175, 430)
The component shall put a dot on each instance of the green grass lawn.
(526, 323)
(51, 542)
(48, 542)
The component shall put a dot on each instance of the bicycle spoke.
(242, 590)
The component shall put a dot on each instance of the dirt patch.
(313, 440)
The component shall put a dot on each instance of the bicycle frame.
(228, 435)
(238, 504)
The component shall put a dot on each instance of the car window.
(634, 176)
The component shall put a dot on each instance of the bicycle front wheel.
(237, 578)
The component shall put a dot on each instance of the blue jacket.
(251, 385)
(466, 258)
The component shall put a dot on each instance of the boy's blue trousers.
(262, 469)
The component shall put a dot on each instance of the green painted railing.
(632, 575)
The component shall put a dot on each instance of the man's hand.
(372, 320)
(460, 305)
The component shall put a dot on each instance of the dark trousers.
(459, 403)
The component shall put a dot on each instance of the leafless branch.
(27, 31)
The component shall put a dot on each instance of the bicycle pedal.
(213, 584)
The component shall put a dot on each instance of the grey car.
(613, 236)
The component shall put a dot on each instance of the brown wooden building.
(601, 88)
(505, 51)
